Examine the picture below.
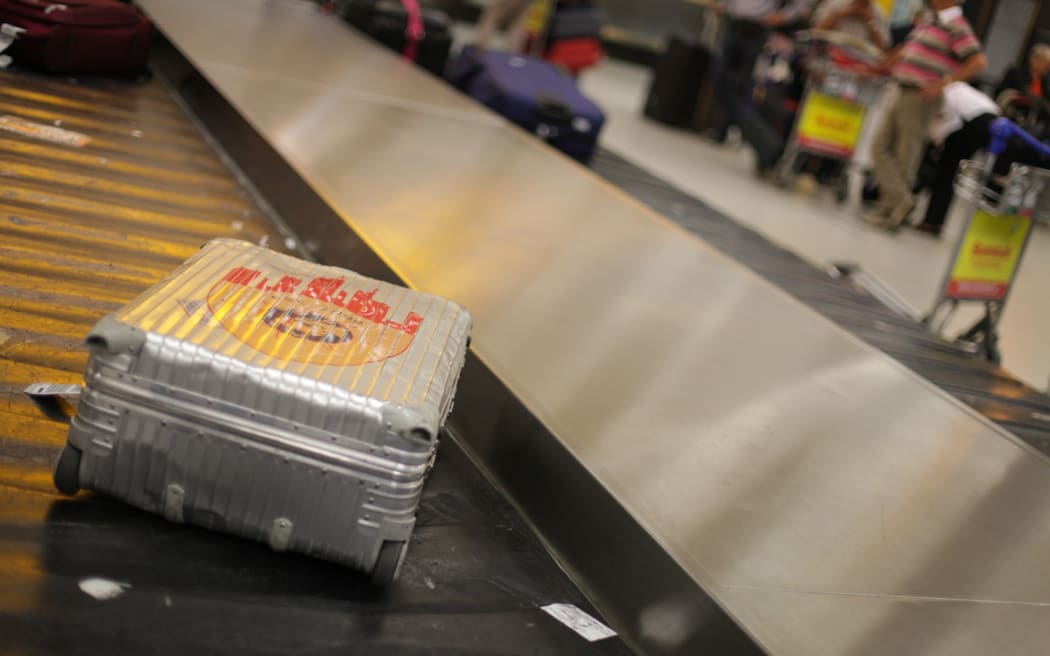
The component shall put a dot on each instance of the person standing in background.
(863, 21)
(512, 13)
(938, 52)
(961, 129)
(1028, 79)
(748, 23)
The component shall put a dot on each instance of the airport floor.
(812, 225)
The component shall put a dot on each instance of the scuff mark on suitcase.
(102, 589)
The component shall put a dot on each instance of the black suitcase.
(678, 79)
(387, 21)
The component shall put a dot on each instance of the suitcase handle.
(54, 400)
(552, 108)
(415, 30)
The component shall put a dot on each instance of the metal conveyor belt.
(987, 388)
(83, 229)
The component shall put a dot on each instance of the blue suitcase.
(533, 94)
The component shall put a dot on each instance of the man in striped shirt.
(938, 51)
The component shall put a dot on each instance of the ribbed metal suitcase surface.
(271, 398)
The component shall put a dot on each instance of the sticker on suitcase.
(318, 321)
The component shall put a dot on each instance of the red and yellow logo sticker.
(316, 322)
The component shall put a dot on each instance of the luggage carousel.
(717, 467)
(83, 230)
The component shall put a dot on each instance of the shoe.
(899, 214)
(876, 216)
(932, 230)
(766, 169)
(806, 184)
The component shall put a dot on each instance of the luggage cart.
(843, 84)
(989, 251)
(1031, 114)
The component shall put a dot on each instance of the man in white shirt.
(961, 128)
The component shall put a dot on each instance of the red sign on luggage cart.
(830, 125)
(987, 259)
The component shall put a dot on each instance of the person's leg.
(750, 48)
(727, 62)
(488, 23)
(884, 166)
(913, 121)
(518, 31)
(495, 14)
(741, 47)
(960, 145)
(941, 189)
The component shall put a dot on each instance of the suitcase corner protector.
(409, 423)
(114, 336)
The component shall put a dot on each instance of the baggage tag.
(579, 621)
(57, 402)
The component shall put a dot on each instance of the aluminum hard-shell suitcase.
(272, 398)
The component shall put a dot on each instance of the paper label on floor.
(579, 621)
(102, 589)
(41, 131)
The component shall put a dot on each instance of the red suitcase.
(575, 54)
(92, 37)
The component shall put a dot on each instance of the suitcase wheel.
(67, 471)
(385, 571)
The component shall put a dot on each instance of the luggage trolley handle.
(973, 179)
(55, 400)
(1003, 129)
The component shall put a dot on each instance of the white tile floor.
(813, 226)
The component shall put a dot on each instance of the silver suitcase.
(272, 398)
